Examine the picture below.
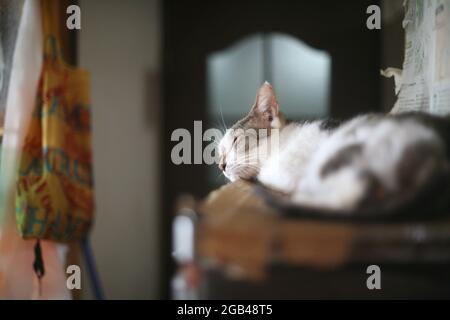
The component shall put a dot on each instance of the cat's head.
(244, 147)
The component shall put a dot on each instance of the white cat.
(324, 163)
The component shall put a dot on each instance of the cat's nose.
(222, 166)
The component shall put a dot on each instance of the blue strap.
(92, 270)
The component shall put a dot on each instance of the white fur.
(296, 166)
(384, 142)
(297, 144)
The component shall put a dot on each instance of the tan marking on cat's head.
(239, 156)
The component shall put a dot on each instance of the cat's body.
(284, 169)
(361, 162)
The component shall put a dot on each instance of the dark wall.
(193, 29)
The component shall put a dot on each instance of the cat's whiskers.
(249, 157)
(223, 121)
(249, 162)
(244, 170)
(220, 174)
(243, 165)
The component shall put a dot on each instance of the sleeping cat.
(366, 161)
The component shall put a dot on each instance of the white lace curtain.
(21, 35)
(10, 13)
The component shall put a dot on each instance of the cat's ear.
(266, 105)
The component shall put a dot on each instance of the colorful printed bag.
(54, 198)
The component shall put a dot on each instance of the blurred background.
(159, 65)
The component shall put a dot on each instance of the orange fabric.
(55, 180)
(17, 279)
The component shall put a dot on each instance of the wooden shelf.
(242, 238)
